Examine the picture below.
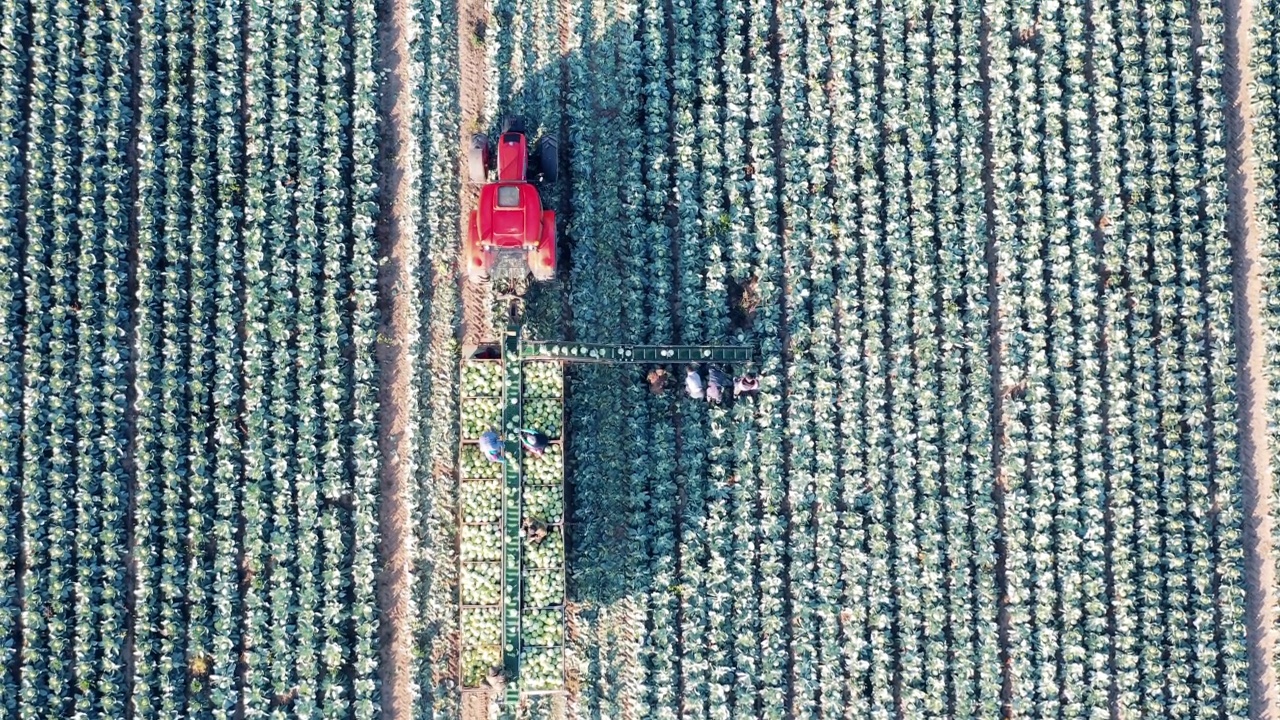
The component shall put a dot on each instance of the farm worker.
(535, 530)
(497, 679)
(717, 381)
(491, 446)
(534, 441)
(657, 380)
(745, 384)
(693, 385)
(713, 393)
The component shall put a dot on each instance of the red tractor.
(509, 234)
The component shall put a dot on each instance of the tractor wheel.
(549, 159)
(478, 159)
(513, 124)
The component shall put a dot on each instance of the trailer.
(520, 626)
(500, 593)
(512, 589)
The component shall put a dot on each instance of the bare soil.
(397, 232)
(473, 33)
(1251, 382)
(475, 706)
(476, 325)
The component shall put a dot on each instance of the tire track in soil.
(397, 235)
(473, 29)
(473, 26)
(1251, 381)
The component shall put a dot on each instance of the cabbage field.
(988, 255)
(189, 468)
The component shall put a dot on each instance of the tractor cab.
(509, 234)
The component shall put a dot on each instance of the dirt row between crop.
(1251, 379)
(473, 31)
(473, 23)
(398, 237)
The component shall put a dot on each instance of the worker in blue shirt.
(491, 446)
(717, 382)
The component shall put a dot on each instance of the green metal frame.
(647, 354)
(513, 468)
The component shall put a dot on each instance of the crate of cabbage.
(542, 602)
(542, 576)
(543, 379)
(480, 414)
(481, 403)
(480, 591)
(481, 643)
(483, 378)
(542, 649)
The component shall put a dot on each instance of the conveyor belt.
(511, 471)
(650, 354)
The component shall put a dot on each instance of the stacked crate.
(512, 589)
(480, 503)
(543, 563)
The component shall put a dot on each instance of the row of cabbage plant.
(704, 270)
(608, 479)
(695, 58)
(739, 680)
(175, 249)
(434, 507)
(802, 125)
(652, 242)
(12, 126)
(1264, 96)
